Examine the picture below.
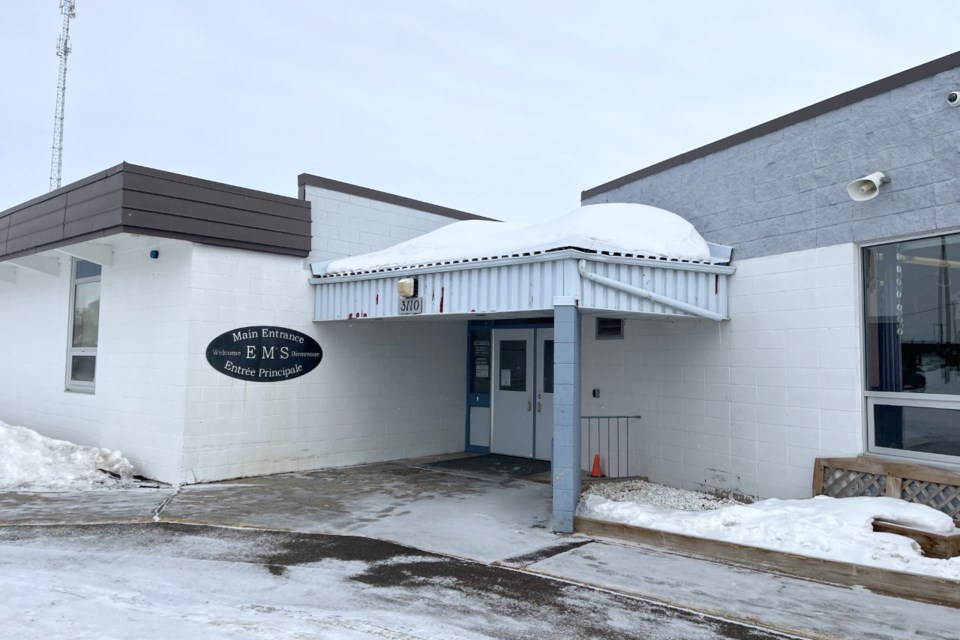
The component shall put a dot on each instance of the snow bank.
(625, 228)
(838, 529)
(31, 462)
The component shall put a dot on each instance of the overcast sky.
(502, 108)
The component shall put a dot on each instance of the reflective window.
(922, 429)
(480, 357)
(513, 365)
(548, 366)
(83, 368)
(86, 314)
(911, 296)
(911, 299)
(84, 326)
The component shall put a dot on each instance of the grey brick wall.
(786, 191)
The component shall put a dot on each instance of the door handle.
(539, 407)
(529, 405)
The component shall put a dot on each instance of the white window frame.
(70, 384)
(896, 398)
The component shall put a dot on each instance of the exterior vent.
(609, 328)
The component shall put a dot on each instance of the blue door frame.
(479, 331)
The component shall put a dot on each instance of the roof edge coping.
(310, 180)
(914, 74)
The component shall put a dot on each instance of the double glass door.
(523, 393)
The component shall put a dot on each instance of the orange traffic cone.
(596, 467)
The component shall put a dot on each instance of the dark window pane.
(87, 269)
(923, 429)
(83, 368)
(513, 365)
(911, 296)
(480, 354)
(548, 366)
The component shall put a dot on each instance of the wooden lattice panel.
(864, 476)
(841, 483)
(943, 497)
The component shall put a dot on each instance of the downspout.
(649, 295)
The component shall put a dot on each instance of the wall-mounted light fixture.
(407, 287)
(867, 187)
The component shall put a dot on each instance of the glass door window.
(513, 365)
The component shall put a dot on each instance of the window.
(480, 370)
(911, 298)
(609, 328)
(513, 365)
(548, 366)
(84, 326)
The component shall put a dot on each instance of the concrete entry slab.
(87, 507)
(467, 515)
(195, 581)
(501, 521)
(493, 466)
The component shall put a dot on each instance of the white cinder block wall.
(141, 375)
(34, 318)
(382, 391)
(778, 195)
(142, 353)
(747, 405)
(347, 225)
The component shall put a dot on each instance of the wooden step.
(934, 545)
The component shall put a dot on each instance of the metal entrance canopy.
(562, 281)
(518, 285)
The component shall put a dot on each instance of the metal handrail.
(621, 425)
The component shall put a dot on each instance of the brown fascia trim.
(154, 233)
(100, 175)
(167, 175)
(281, 206)
(308, 180)
(871, 90)
(209, 184)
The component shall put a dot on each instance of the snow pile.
(31, 462)
(838, 529)
(636, 229)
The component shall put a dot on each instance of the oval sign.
(264, 354)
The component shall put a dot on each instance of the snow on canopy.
(635, 229)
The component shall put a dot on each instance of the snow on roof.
(637, 230)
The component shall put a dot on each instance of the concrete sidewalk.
(494, 519)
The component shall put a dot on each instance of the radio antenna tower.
(68, 9)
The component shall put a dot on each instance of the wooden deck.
(893, 583)
(867, 476)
